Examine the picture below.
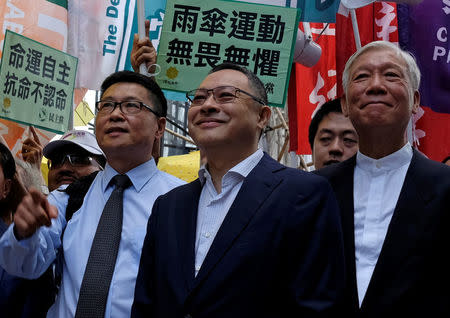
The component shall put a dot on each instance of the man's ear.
(6, 188)
(416, 102)
(161, 127)
(344, 105)
(264, 116)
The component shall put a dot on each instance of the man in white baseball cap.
(74, 155)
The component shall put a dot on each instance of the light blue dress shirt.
(30, 257)
(213, 206)
(377, 186)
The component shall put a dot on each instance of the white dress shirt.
(377, 185)
(30, 257)
(213, 206)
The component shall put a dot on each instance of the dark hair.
(255, 83)
(7, 162)
(332, 106)
(156, 94)
(446, 159)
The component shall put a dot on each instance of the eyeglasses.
(130, 107)
(74, 160)
(221, 94)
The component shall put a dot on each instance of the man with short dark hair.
(250, 237)
(76, 154)
(394, 201)
(331, 135)
(130, 116)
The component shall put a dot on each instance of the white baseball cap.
(80, 138)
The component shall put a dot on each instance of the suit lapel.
(186, 224)
(343, 187)
(254, 191)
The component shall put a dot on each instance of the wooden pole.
(286, 140)
(303, 164)
(283, 149)
(282, 118)
(180, 136)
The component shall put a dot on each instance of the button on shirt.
(213, 206)
(30, 257)
(377, 186)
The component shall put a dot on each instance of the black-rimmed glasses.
(74, 160)
(221, 94)
(131, 107)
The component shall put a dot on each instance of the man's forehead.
(335, 120)
(389, 58)
(226, 77)
(125, 89)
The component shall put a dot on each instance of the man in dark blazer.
(250, 237)
(395, 203)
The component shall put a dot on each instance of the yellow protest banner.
(184, 167)
(83, 114)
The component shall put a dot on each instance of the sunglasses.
(74, 160)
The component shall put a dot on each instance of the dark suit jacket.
(278, 253)
(411, 277)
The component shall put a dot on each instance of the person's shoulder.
(298, 175)
(420, 161)
(429, 179)
(300, 180)
(179, 195)
(170, 180)
(429, 171)
(183, 189)
(336, 169)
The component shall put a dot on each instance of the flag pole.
(355, 29)
(141, 30)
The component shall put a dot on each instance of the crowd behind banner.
(47, 22)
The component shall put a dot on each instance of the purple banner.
(424, 30)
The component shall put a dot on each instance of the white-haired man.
(394, 201)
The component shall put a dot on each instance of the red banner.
(313, 86)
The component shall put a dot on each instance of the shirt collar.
(390, 162)
(139, 175)
(243, 168)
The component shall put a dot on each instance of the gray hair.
(412, 69)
